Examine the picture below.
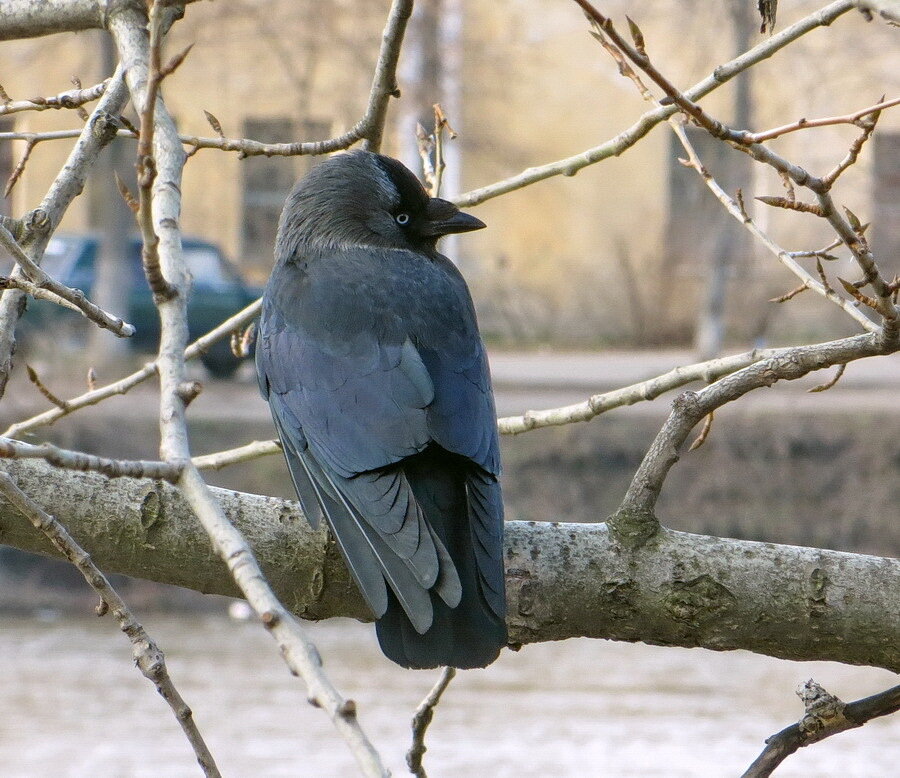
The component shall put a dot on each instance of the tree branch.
(72, 298)
(148, 656)
(563, 580)
(67, 185)
(825, 716)
(422, 720)
(126, 384)
(74, 98)
(384, 82)
(626, 139)
(129, 30)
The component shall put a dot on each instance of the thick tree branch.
(27, 19)
(564, 580)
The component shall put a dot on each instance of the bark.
(564, 580)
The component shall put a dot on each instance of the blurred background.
(582, 284)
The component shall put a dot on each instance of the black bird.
(370, 358)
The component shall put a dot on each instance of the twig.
(422, 719)
(851, 237)
(146, 164)
(644, 390)
(74, 98)
(690, 407)
(831, 382)
(803, 124)
(297, 650)
(20, 167)
(126, 384)
(234, 456)
(791, 294)
(384, 81)
(148, 657)
(74, 297)
(569, 166)
(704, 432)
(35, 379)
(825, 715)
(65, 187)
(79, 460)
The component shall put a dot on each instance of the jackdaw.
(376, 376)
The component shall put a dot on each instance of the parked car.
(217, 293)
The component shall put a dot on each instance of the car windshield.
(207, 268)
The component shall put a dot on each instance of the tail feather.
(472, 633)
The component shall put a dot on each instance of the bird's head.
(365, 199)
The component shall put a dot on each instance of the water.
(72, 706)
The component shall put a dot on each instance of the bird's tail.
(464, 508)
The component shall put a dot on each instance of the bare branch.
(74, 298)
(148, 657)
(124, 385)
(831, 381)
(74, 98)
(384, 82)
(825, 715)
(820, 187)
(81, 461)
(635, 514)
(626, 139)
(35, 379)
(233, 456)
(65, 187)
(804, 124)
(563, 580)
(644, 390)
(128, 29)
(422, 719)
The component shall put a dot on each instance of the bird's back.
(378, 381)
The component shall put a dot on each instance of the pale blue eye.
(402, 218)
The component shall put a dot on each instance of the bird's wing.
(462, 418)
(346, 417)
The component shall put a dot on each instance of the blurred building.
(618, 254)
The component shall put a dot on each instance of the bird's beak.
(445, 218)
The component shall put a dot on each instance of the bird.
(370, 357)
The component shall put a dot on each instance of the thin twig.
(422, 719)
(569, 166)
(825, 716)
(126, 384)
(803, 124)
(148, 657)
(42, 388)
(74, 298)
(704, 432)
(831, 382)
(74, 98)
(84, 462)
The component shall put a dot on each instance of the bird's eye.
(402, 218)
